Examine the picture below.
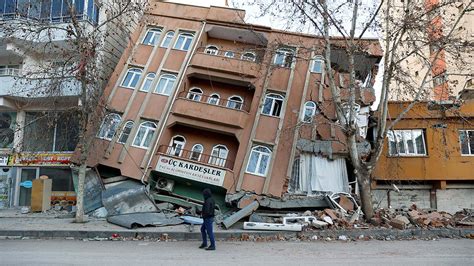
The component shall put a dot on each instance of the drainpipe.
(174, 98)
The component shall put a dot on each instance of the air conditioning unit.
(164, 184)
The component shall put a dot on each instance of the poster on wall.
(7, 129)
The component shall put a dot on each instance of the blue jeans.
(206, 228)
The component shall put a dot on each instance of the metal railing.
(226, 103)
(196, 156)
(9, 71)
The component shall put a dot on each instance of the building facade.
(202, 99)
(39, 90)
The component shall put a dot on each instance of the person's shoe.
(211, 248)
(202, 246)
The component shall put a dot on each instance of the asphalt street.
(78, 252)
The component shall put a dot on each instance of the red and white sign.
(192, 171)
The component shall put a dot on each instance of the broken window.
(131, 78)
(165, 84)
(272, 104)
(309, 111)
(312, 173)
(259, 160)
(284, 57)
(195, 94)
(229, 54)
(196, 152)
(409, 142)
(346, 109)
(177, 145)
(219, 155)
(51, 131)
(466, 138)
(248, 56)
(127, 129)
(144, 135)
(109, 126)
(212, 50)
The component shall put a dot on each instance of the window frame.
(469, 144)
(252, 58)
(115, 124)
(154, 40)
(148, 79)
(211, 50)
(145, 135)
(313, 63)
(133, 75)
(406, 148)
(167, 78)
(274, 97)
(123, 132)
(218, 160)
(168, 37)
(229, 101)
(172, 149)
(259, 160)
(186, 36)
(192, 94)
(229, 54)
(211, 98)
(284, 51)
(198, 159)
(312, 110)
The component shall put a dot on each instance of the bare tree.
(74, 59)
(414, 43)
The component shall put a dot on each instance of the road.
(77, 252)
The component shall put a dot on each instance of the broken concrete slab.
(249, 209)
(135, 220)
(273, 227)
(127, 197)
(294, 202)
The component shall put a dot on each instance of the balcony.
(16, 86)
(196, 157)
(205, 108)
(238, 64)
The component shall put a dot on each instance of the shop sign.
(4, 160)
(41, 159)
(192, 171)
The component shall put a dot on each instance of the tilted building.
(202, 99)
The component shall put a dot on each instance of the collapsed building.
(202, 99)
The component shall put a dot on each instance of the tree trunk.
(80, 193)
(363, 178)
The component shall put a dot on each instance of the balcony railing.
(212, 100)
(196, 156)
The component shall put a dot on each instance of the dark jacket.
(209, 204)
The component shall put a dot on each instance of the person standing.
(207, 215)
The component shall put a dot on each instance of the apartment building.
(202, 99)
(39, 90)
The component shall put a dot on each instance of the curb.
(388, 234)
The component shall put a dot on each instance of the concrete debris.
(249, 209)
(328, 220)
(273, 227)
(100, 213)
(343, 238)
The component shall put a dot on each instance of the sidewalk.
(14, 225)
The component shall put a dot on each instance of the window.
(9, 70)
(272, 104)
(346, 111)
(284, 57)
(131, 78)
(167, 40)
(213, 99)
(152, 36)
(229, 54)
(48, 132)
(219, 155)
(309, 111)
(259, 160)
(235, 102)
(165, 84)
(196, 152)
(184, 41)
(109, 126)
(195, 94)
(212, 50)
(144, 135)
(147, 83)
(466, 138)
(317, 65)
(127, 129)
(177, 145)
(248, 56)
(409, 142)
